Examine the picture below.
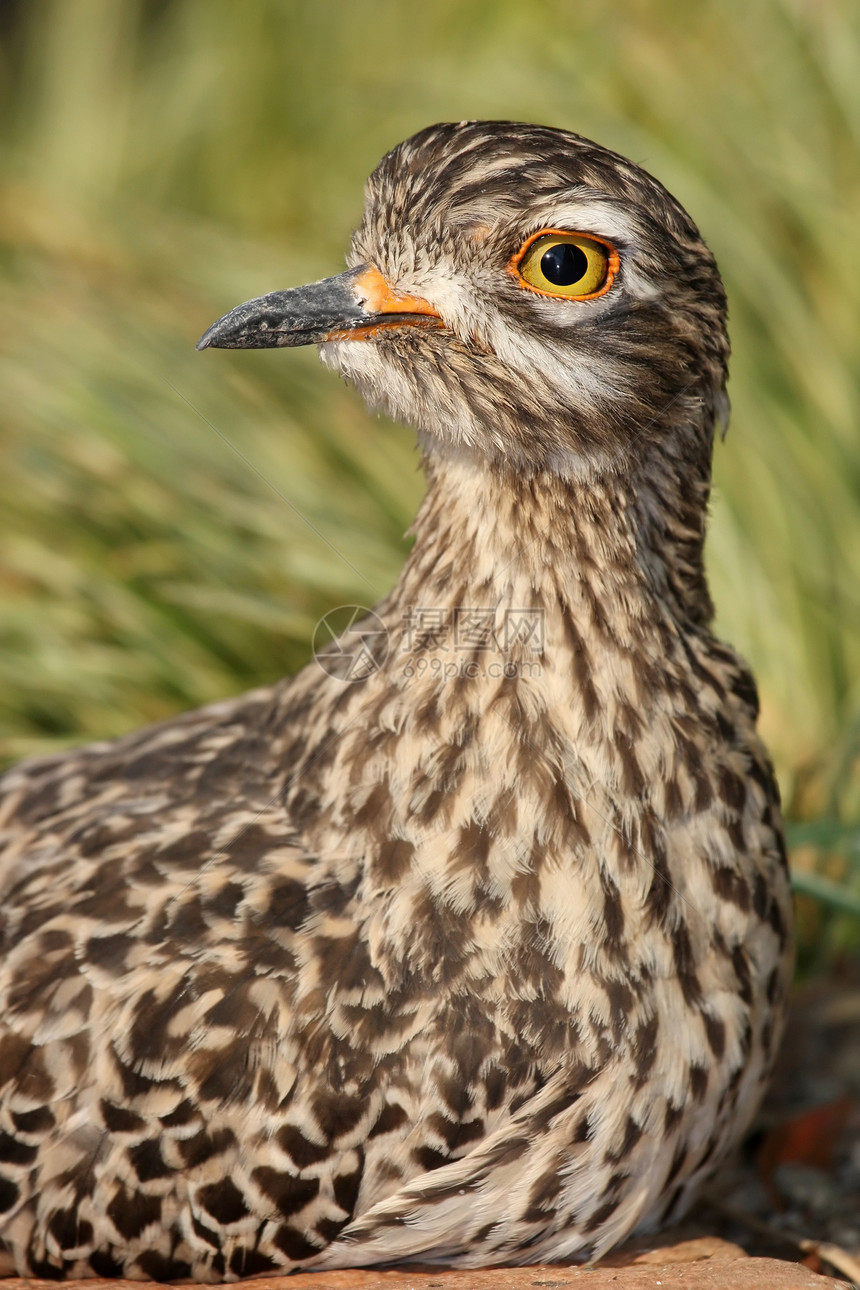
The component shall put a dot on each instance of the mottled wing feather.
(173, 1053)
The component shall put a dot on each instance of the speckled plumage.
(473, 964)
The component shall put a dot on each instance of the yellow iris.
(566, 264)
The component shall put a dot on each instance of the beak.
(353, 306)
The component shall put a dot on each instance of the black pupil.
(564, 264)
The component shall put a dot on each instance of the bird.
(470, 943)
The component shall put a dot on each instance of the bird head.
(520, 294)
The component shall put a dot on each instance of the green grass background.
(170, 521)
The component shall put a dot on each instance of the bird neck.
(538, 629)
(543, 635)
(489, 537)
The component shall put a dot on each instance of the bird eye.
(565, 264)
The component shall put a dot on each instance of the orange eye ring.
(586, 243)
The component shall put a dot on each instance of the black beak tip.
(232, 331)
(214, 337)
